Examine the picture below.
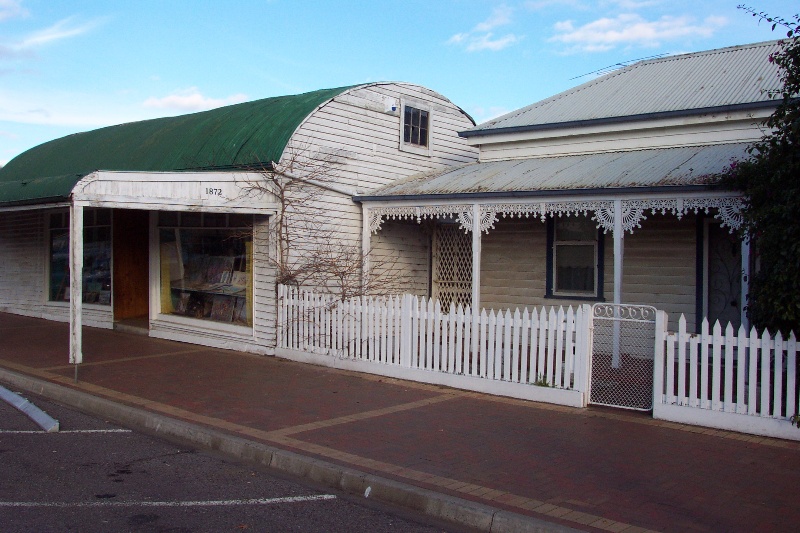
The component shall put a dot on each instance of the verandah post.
(76, 285)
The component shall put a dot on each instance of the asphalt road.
(94, 476)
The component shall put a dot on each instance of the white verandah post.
(476, 257)
(619, 246)
(75, 285)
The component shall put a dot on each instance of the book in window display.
(240, 311)
(222, 308)
(219, 269)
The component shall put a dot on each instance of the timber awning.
(641, 170)
(236, 137)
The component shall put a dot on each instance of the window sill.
(206, 325)
(65, 305)
(576, 297)
(414, 149)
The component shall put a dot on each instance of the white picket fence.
(730, 380)
(740, 381)
(413, 338)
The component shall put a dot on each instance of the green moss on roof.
(236, 136)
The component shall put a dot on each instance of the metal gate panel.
(623, 350)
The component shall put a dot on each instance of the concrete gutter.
(456, 511)
(42, 419)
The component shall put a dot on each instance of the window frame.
(92, 223)
(409, 146)
(599, 255)
(179, 221)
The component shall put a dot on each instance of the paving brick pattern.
(593, 469)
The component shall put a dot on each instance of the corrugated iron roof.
(663, 167)
(731, 76)
(235, 136)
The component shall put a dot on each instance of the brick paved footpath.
(593, 469)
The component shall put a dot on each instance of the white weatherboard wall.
(665, 133)
(24, 281)
(400, 247)
(659, 266)
(361, 127)
(22, 242)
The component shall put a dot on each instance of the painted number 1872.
(210, 191)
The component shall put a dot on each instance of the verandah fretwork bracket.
(728, 211)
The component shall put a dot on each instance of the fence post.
(583, 353)
(658, 358)
(281, 313)
(405, 331)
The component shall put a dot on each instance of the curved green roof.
(235, 136)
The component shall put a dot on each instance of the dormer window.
(415, 127)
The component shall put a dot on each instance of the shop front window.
(206, 266)
(96, 257)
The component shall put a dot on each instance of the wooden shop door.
(131, 263)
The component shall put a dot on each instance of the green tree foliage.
(770, 180)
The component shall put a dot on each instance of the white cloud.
(458, 38)
(536, 5)
(62, 29)
(487, 42)
(481, 36)
(11, 9)
(630, 5)
(631, 29)
(191, 99)
(501, 15)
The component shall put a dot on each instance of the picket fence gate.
(415, 338)
(741, 381)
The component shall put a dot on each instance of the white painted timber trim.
(226, 192)
(701, 124)
(570, 398)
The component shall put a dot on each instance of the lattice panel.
(452, 265)
(622, 356)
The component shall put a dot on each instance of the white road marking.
(68, 431)
(201, 503)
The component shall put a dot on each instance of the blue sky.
(74, 65)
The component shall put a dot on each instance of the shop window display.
(206, 266)
(96, 257)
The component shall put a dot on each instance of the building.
(605, 192)
(169, 223)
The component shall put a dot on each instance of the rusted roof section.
(663, 167)
(734, 76)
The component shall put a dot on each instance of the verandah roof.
(652, 168)
(236, 136)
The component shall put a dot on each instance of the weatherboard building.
(157, 215)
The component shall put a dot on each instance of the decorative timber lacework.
(377, 214)
(452, 265)
(728, 211)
